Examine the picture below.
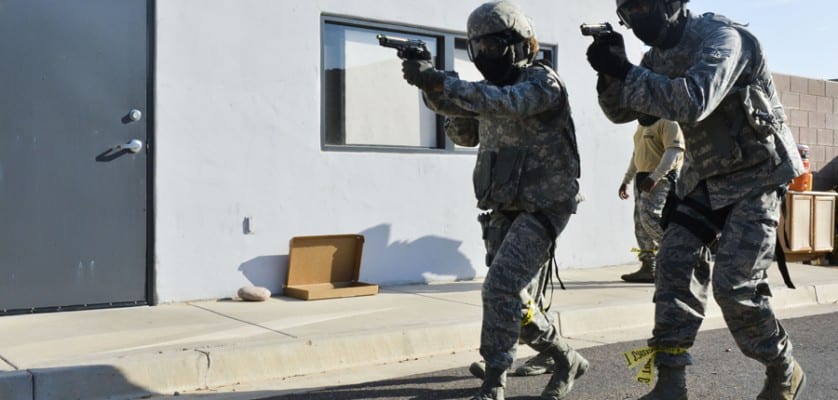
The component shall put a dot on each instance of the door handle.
(134, 146)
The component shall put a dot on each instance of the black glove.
(422, 74)
(607, 55)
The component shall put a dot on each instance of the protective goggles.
(488, 46)
(631, 10)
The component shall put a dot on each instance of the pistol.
(406, 49)
(596, 30)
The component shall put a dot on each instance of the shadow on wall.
(827, 177)
(427, 259)
(266, 271)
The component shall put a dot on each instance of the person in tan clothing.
(654, 165)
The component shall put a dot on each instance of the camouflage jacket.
(714, 82)
(527, 159)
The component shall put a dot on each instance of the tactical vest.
(746, 127)
(531, 177)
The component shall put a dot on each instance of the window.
(366, 102)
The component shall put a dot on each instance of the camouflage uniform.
(648, 206)
(526, 173)
(713, 82)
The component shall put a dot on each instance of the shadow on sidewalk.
(76, 382)
(417, 388)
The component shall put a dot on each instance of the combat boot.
(478, 369)
(671, 384)
(646, 273)
(783, 381)
(569, 366)
(493, 383)
(541, 364)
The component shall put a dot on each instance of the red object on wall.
(803, 183)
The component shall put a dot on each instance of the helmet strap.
(674, 29)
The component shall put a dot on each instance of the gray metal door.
(73, 203)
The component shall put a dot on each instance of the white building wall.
(238, 133)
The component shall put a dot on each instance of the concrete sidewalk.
(143, 352)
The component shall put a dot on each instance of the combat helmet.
(496, 27)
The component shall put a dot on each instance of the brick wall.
(812, 113)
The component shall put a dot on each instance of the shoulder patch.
(714, 55)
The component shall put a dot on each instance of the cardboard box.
(326, 267)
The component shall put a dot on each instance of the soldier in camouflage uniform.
(709, 74)
(534, 294)
(526, 174)
(654, 165)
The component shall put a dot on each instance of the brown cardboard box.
(326, 267)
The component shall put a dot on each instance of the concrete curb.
(16, 385)
(575, 323)
(231, 365)
(128, 376)
(578, 322)
(138, 374)
(142, 374)
(827, 293)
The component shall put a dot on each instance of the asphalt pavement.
(720, 372)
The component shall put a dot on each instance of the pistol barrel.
(389, 41)
(595, 29)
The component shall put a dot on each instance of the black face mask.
(499, 71)
(655, 27)
(650, 28)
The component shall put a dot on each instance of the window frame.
(445, 60)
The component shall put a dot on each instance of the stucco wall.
(238, 111)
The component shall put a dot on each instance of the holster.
(669, 207)
(495, 225)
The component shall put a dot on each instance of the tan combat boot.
(671, 384)
(783, 381)
(493, 383)
(646, 273)
(570, 366)
(541, 364)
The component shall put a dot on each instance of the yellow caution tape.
(530, 314)
(636, 250)
(646, 356)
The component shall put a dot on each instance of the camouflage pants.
(539, 328)
(648, 207)
(745, 250)
(514, 271)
